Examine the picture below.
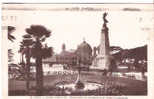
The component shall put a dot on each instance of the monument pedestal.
(101, 63)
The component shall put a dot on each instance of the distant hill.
(138, 53)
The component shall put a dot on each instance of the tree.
(10, 55)
(39, 33)
(21, 50)
(11, 29)
(25, 49)
(138, 54)
(116, 52)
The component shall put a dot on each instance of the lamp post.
(79, 84)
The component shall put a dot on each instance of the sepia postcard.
(78, 50)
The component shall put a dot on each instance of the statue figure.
(105, 20)
(104, 17)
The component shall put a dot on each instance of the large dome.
(84, 51)
(85, 47)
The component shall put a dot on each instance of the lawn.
(132, 86)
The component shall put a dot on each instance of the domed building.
(84, 53)
(70, 58)
(66, 57)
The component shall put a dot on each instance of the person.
(143, 71)
(112, 66)
(104, 72)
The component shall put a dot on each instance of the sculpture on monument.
(102, 61)
(104, 18)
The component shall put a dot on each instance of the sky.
(129, 25)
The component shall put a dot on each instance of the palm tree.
(22, 64)
(39, 33)
(10, 31)
(25, 49)
(11, 38)
(10, 55)
(21, 50)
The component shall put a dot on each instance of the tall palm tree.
(10, 29)
(25, 49)
(39, 33)
(22, 51)
(22, 64)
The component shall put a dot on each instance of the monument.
(102, 59)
